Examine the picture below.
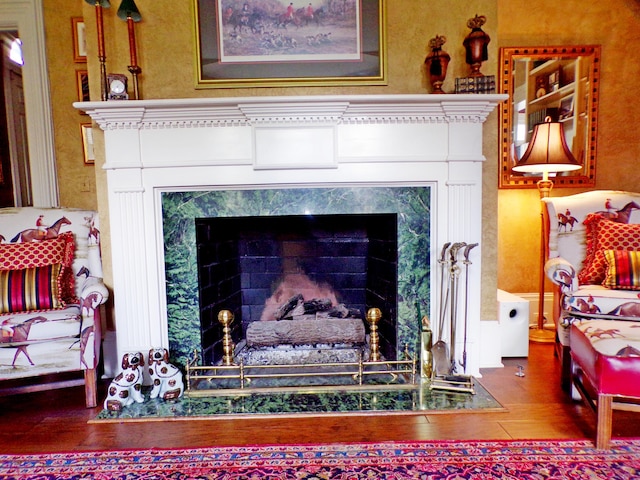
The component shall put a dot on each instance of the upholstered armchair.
(592, 240)
(51, 290)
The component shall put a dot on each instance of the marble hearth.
(154, 147)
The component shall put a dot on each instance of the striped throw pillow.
(31, 289)
(623, 269)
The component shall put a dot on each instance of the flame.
(294, 284)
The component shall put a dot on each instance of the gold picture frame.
(82, 85)
(560, 82)
(87, 143)
(79, 40)
(242, 46)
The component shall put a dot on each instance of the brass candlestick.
(100, 4)
(373, 317)
(225, 317)
(128, 11)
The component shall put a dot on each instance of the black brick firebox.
(243, 260)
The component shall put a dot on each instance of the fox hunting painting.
(250, 43)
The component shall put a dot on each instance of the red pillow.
(17, 256)
(608, 236)
(623, 269)
(591, 223)
(31, 289)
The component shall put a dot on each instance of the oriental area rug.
(522, 460)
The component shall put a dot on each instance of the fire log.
(305, 332)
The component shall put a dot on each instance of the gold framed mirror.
(560, 82)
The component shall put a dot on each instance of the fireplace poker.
(455, 274)
(467, 263)
(439, 349)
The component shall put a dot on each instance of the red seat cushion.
(608, 352)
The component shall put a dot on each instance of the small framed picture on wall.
(79, 40)
(82, 83)
(87, 143)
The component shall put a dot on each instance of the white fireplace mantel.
(154, 146)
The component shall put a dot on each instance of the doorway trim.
(26, 16)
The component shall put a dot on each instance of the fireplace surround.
(393, 225)
(155, 147)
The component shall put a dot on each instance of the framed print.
(566, 108)
(82, 83)
(266, 43)
(87, 143)
(79, 40)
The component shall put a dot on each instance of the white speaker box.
(513, 316)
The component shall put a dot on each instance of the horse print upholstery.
(66, 337)
(581, 229)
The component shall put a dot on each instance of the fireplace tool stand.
(445, 376)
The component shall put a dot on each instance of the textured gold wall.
(166, 42)
(77, 180)
(615, 25)
(166, 46)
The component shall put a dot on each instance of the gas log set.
(303, 344)
(300, 322)
(296, 308)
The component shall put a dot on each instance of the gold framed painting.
(87, 143)
(79, 40)
(289, 43)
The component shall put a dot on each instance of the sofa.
(592, 238)
(51, 292)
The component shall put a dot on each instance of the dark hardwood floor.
(536, 408)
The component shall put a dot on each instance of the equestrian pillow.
(623, 269)
(58, 250)
(31, 289)
(605, 235)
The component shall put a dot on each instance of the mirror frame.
(586, 176)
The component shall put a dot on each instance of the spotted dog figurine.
(126, 387)
(167, 378)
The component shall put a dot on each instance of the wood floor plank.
(535, 407)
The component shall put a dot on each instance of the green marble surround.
(417, 400)
(410, 203)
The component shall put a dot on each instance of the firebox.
(261, 267)
(379, 236)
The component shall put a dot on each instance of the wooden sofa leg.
(90, 388)
(605, 418)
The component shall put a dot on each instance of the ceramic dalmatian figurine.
(126, 387)
(167, 378)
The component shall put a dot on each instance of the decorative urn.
(436, 63)
(475, 45)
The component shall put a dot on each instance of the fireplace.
(358, 240)
(159, 151)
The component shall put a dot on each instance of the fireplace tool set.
(444, 371)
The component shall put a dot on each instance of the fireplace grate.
(241, 378)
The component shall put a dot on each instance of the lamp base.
(542, 336)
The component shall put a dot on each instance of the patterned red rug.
(521, 460)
